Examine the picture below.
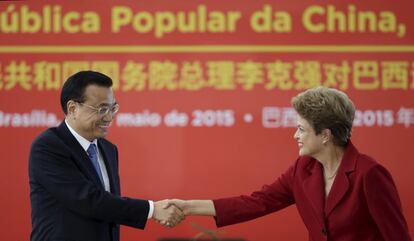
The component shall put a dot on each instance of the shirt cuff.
(151, 209)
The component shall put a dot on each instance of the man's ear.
(71, 107)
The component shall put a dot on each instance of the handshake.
(170, 212)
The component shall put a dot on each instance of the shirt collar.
(82, 141)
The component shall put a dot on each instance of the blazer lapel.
(109, 166)
(313, 188)
(341, 183)
(81, 157)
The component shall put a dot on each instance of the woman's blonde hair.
(327, 108)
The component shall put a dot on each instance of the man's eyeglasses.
(103, 110)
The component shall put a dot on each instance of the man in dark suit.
(73, 171)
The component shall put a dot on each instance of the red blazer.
(363, 204)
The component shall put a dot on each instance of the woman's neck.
(331, 157)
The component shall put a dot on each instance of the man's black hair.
(75, 85)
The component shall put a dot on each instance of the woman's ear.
(326, 135)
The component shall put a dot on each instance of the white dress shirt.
(85, 145)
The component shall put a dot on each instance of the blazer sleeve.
(384, 204)
(270, 198)
(52, 166)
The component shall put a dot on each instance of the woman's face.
(309, 143)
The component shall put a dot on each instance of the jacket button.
(324, 231)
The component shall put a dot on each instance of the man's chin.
(101, 133)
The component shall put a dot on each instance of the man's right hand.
(167, 217)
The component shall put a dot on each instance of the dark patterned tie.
(93, 155)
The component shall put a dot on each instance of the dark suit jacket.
(363, 204)
(68, 201)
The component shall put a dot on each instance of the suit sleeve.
(53, 168)
(384, 204)
(270, 198)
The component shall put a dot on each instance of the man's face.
(86, 120)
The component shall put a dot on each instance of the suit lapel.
(338, 190)
(81, 157)
(313, 188)
(341, 183)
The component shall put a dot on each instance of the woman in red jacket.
(341, 194)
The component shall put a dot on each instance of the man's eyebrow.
(108, 104)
